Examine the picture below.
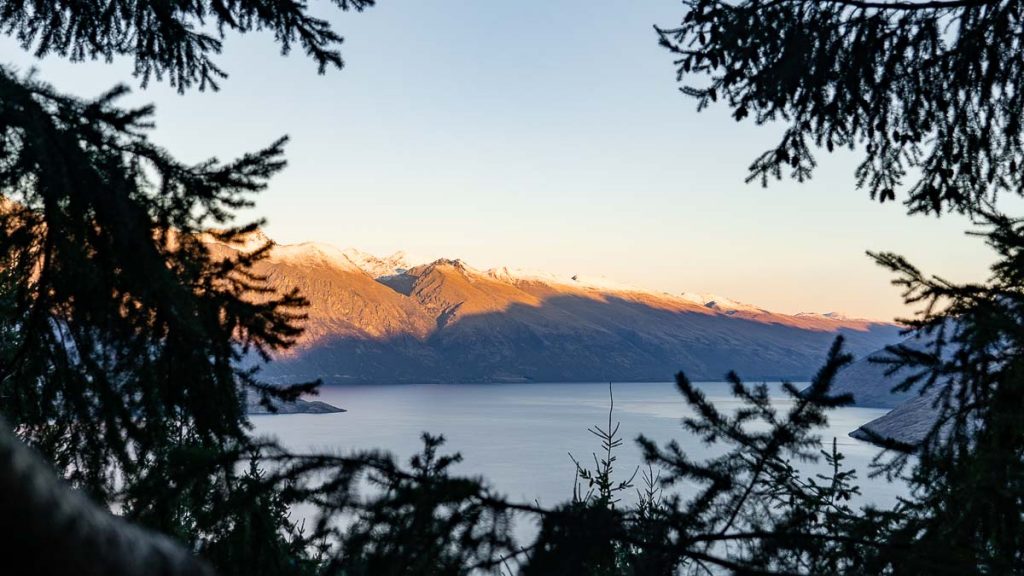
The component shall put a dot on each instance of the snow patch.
(376, 266)
(826, 316)
(313, 254)
(720, 303)
(513, 275)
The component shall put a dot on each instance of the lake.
(519, 436)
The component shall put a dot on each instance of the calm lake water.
(519, 436)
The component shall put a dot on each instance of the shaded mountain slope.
(871, 387)
(908, 423)
(912, 414)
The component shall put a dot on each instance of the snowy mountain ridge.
(398, 263)
(375, 319)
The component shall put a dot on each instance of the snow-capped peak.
(603, 283)
(513, 275)
(720, 303)
(320, 254)
(312, 253)
(376, 266)
(829, 315)
(247, 243)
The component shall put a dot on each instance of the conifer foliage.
(175, 39)
(124, 332)
(928, 91)
(124, 336)
(968, 474)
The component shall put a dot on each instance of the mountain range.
(386, 320)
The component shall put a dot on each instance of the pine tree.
(124, 337)
(968, 474)
(128, 330)
(176, 41)
(122, 334)
(931, 94)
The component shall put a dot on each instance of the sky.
(540, 135)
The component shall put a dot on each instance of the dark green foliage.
(968, 475)
(377, 517)
(582, 535)
(752, 510)
(172, 39)
(747, 510)
(929, 91)
(578, 538)
(259, 538)
(424, 522)
(127, 329)
(602, 489)
(932, 93)
(122, 333)
(592, 534)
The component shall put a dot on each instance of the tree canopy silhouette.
(122, 333)
(928, 92)
(172, 40)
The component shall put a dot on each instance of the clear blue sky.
(544, 135)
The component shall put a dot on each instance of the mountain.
(912, 414)
(871, 387)
(253, 406)
(385, 320)
(908, 423)
(378, 267)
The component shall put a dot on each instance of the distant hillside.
(383, 320)
(867, 381)
(253, 406)
(908, 423)
(912, 414)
